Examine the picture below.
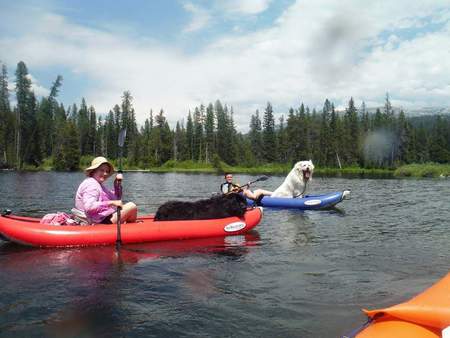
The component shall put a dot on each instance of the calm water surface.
(300, 274)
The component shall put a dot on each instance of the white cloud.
(38, 89)
(245, 7)
(200, 17)
(315, 50)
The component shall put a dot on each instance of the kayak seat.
(79, 216)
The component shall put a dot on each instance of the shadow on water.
(20, 257)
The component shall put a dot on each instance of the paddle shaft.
(121, 142)
(119, 209)
(263, 178)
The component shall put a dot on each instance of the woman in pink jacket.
(97, 201)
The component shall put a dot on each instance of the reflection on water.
(301, 274)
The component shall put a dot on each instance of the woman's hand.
(116, 203)
(119, 177)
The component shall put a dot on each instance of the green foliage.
(423, 170)
(67, 154)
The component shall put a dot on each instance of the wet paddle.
(122, 136)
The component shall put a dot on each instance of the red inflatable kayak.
(426, 315)
(28, 231)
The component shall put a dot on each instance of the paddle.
(262, 178)
(122, 136)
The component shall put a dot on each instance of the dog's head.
(235, 204)
(304, 169)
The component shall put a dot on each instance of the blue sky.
(179, 54)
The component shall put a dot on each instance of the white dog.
(294, 184)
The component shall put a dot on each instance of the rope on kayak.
(359, 329)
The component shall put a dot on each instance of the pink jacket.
(93, 199)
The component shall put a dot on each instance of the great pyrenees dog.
(294, 184)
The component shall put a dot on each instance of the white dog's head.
(304, 169)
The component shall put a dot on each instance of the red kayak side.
(28, 231)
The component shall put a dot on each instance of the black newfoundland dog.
(214, 207)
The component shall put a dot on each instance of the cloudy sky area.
(177, 54)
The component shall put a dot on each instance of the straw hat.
(97, 162)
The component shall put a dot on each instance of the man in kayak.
(98, 202)
(229, 187)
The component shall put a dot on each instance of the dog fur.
(214, 207)
(295, 182)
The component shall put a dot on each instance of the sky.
(177, 54)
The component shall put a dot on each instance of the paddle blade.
(262, 178)
(122, 136)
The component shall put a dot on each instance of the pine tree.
(4, 91)
(282, 141)
(268, 135)
(131, 148)
(92, 132)
(6, 120)
(110, 136)
(337, 139)
(255, 136)
(164, 140)
(83, 127)
(236, 151)
(365, 121)
(198, 133)
(404, 137)
(27, 135)
(352, 132)
(190, 137)
(225, 135)
(325, 154)
(147, 146)
(209, 133)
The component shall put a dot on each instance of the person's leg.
(259, 192)
(254, 195)
(128, 213)
(249, 194)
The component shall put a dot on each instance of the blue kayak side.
(308, 202)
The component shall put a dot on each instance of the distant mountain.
(420, 111)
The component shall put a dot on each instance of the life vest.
(226, 187)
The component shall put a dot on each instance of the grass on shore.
(423, 170)
(432, 170)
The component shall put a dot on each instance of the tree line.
(34, 131)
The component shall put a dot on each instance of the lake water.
(300, 274)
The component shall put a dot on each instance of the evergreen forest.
(35, 131)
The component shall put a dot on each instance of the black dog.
(214, 207)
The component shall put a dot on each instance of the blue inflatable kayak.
(309, 202)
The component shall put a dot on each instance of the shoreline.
(427, 170)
